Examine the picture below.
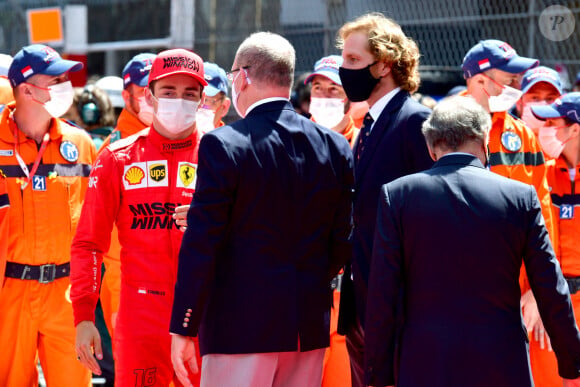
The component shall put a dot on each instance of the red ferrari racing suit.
(136, 183)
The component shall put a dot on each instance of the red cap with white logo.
(177, 61)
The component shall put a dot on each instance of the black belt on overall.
(573, 284)
(41, 273)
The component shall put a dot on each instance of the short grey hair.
(269, 58)
(455, 121)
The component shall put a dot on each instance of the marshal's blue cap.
(494, 54)
(38, 59)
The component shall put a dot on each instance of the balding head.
(268, 58)
(457, 123)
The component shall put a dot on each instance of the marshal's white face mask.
(176, 114)
(529, 118)
(145, 111)
(550, 144)
(61, 98)
(504, 102)
(205, 119)
(327, 111)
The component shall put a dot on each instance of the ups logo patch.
(157, 172)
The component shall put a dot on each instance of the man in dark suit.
(381, 67)
(268, 228)
(444, 299)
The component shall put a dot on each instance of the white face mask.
(503, 102)
(145, 112)
(61, 99)
(529, 118)
(327, 111)
(205, 119)
(236, 95)
(549, 142)
(176, 114)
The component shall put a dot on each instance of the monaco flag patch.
(27, 71)
(484, 64)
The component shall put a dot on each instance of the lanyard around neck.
(23, 166)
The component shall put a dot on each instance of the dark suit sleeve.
(551, 292)
(384, 283)
(207, 221)
(340, 243)
(416, 154)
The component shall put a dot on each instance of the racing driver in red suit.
(136, 183)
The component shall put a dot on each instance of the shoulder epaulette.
(125, 142)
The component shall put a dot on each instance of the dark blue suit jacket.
(268, 228)
(449, 243)
(396, 147)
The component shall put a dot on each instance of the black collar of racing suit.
(166, 145)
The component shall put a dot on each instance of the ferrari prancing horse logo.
(187, 174)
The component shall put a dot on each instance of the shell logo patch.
(511, 141)
(134, 175)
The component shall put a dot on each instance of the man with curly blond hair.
(380, 67)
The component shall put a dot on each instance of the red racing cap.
(177, 61)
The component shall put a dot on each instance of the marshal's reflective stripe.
(558, 200)
(517, 158)
(82, 170)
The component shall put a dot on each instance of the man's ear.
(432, 153)
(149, 97)
(383, 68)
(246, 80)
(520, 107)
(201, 101)
(480, 79)
(126, 97)
(223, 110)
(24, 89)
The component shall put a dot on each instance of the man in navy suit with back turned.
(267, 230)
(444, 298)
(380, 66)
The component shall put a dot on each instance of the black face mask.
(358, 84)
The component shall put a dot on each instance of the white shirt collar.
(457, 153)
(376, 110)
(263, 101)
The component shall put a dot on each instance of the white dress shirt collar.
(263, 101)
(376, 110)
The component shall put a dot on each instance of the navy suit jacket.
(449, 243)
(268, 228)
(396, 147)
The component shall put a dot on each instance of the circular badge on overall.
(69, 151)
(511, 141)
